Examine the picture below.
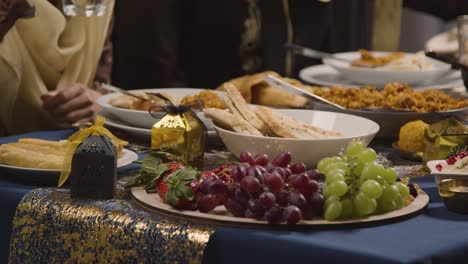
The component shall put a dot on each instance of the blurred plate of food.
(327, 76)
(133, 111)
(39, 162)
(445, 42)
(143, 133)
(427, 105)
(255, 90)
(379, 68)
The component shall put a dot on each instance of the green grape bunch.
(357, 186)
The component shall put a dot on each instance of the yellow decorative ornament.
(79, 137)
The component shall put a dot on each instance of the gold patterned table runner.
(49, 227)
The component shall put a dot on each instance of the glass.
(462, 23)
(84, 7)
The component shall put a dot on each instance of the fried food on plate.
(394, 95)
(42, 142)
(367, 59)
(31, 156)
(256, 91)
(129, 102)
(209, 98)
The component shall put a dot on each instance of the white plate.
(444, 43)
(327, 76)
(220, 217)
(143, 119)
(379, 76)
(309, 151)
(42, 177)
(140, 132)
(455, 173)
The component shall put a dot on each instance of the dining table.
(43, 224)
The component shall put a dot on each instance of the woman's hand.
(12, 10)
(73, 104)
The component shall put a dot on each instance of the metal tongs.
(278, 83)
(317, 54)
(314, 54)
(456, 65)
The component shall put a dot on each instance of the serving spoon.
(317, 54)
(114, 89)
(278, 83)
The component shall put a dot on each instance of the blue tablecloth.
(437, 236)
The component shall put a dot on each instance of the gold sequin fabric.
(49, 227)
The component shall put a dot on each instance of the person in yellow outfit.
(47, 64)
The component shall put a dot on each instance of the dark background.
(170, 43)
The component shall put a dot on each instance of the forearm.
(444, 9)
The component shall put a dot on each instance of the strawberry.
(153, 166)
(178, 188)
(171, 168)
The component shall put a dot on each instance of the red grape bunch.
(276, 191)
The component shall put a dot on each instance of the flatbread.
(289, 127)
(231, 122)
(244, 109)
(230, 105)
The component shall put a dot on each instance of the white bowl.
(143, 119)
(309, 151)
(380, 77)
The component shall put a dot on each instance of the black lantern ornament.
(94, 169)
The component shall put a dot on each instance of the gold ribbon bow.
(170, 108)
(79, 137)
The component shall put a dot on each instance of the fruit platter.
(257, 190)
